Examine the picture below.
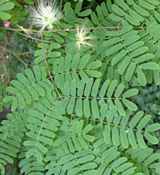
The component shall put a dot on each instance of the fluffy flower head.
(82, 37)
(45, 14)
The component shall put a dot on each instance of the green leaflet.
(150, 66)
(141, 78)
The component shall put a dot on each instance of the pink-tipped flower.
(7, 24)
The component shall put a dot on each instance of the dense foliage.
(87, 103)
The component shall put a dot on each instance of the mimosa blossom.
(82, 37)
(45, 14)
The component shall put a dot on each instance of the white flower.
(82, 37)
(45, 14)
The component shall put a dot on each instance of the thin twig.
(27, 32)
(20, 29)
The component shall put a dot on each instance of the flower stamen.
(82, 37)
(45, 14)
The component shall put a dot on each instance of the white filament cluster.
(45, 14)
(82, 37)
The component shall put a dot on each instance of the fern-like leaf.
(11, 135)
(70, 67)
(42, 125)
(29, 87)
(134, 131)
(129, 54)
(87, 97)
